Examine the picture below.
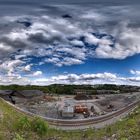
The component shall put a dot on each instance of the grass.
(17, 126)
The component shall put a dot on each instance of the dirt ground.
(49, 106)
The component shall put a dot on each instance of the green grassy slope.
(17, 126)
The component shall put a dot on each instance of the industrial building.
(67, 112)
(80, 108)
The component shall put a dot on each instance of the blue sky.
(121, 67)
(63, 43)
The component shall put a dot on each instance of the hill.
(70, 89)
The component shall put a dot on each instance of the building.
(80, 108)
(5, 92)
(82, 91)
(67, 112)
(66, 108)
(15, 96)
(28, 93)
(108, 91)
(91, 92)
(7, 95)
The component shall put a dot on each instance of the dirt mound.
(83, 97)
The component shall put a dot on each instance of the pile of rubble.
(83, 97)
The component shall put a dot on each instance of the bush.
(23, 124)
(18, 137)
(108, 130)
(39, 126)
(124, 138)
(131, 123)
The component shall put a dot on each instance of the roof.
(80, 106)
(68, 109)
(5, 92)
(22, 93)
(30, 93)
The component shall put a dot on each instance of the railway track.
(92, 121)
(76, 124)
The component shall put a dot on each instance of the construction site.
(70, 112)
(79, 106)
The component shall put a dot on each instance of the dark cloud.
(42, 39)
(111, 2)
(25, 23)
(16, 44)
(67, 16)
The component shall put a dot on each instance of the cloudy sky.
(83, 42)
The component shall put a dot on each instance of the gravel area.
(102, 105)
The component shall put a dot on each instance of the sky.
(69, 42)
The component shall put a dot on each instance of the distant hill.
(71, 89)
